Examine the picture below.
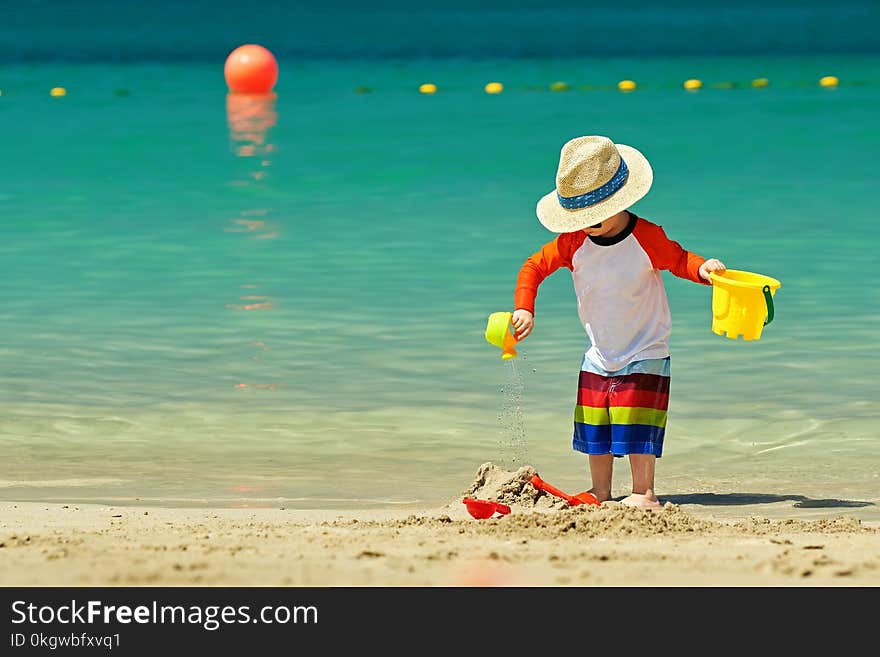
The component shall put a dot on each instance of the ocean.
(219, 301)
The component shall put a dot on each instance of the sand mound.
(529, 506)
(511, 488)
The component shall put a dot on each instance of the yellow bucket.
(742, 303)
(499, 333)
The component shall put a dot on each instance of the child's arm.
(534, 270)
(668, 254)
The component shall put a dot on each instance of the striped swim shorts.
(622, 412)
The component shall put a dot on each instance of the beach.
(543, 541)
(246, 333)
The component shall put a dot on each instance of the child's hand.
(713, 264)
(522, 321)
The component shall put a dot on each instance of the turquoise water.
(201, 30)
(284, 305)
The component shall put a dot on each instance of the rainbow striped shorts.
(622, 412)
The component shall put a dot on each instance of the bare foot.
(642, 501)
(601, 495)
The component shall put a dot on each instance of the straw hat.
(596, 179)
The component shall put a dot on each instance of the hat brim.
(556, 218)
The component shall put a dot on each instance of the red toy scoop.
(581, 498)
(481, 509)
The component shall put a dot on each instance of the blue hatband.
(597, 195)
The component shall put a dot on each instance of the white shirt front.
(622, 303)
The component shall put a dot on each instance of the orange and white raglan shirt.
(621, 298)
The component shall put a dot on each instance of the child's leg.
(637, 407)
(642, 481)
(601, 469)
(592, 429)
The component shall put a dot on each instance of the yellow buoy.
(494, 88)
(428, 88)
(760, 82)
(626, 85)
(829, 81)
(560, 86)
(692, 84)
(58, 91)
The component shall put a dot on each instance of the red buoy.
(251, 69)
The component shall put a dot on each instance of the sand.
(543, 542)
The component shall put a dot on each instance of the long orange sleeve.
(667, 254)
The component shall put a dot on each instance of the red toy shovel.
(481, 509)
(581, 498)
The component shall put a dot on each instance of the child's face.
(597, 230)
(610, 226)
